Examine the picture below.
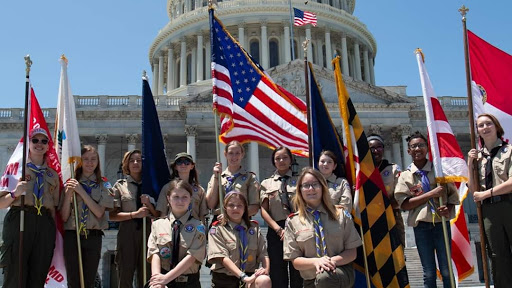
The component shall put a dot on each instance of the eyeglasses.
(184, 161)
(35, 141)
(309, 186)
(233, 206)
(135, 160)
(378, 148)
(418, 145)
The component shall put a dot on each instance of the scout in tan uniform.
(416, 192)
(40, 204)
(177, 244)
(184, 168)
(233, 178)
(339, 188)
(322, 261)
(389, 173)
(93, 197)
(130, 208)
(277, 193)
(236, 248)
(494, 164)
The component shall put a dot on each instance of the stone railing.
(447, 102)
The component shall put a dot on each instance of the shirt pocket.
(306, 242)
(500, 166)
(96, 194)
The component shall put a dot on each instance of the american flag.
(302, 18)
(251, 105)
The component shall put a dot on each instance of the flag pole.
(308, 102)
(291, 31)
(144, 272)
(475, 173)
(28, 64)
(345, 124)
(78, 229)
(446, 240)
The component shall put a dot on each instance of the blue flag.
(155, 172)
(323, 134)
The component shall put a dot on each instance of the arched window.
(193, 4)
(189, 68)
(255, 49)
(273, 46)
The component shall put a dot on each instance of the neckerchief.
(231, 181)
(176, 226)
(489, 177)
(38, 186)
(88, 185)
(138, 203)
(243, 249)
(284, 192)
(425, 185)
(321, 246)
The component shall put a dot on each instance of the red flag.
(449, 167)
(251, 105)
(491, 72)
(57, 274)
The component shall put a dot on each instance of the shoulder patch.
(251, 231)
(106, 184)
(386, 173)
(504, 149)
(189, 228)
(213, 230)
(49, 173)
(200, 228)
(347, 214)
(293, 182)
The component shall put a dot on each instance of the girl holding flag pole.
(93, 198)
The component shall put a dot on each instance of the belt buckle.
(182, 278)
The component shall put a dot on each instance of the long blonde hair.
(300, 203)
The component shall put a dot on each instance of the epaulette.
(215, 223)
(292, 214)
(255, 222)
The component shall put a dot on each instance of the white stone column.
(396, 138)
(154, 88)
(357, 61)
(319, 53)
(372, 72)
(344, 55)
(208, 60)
(310, 51)
(264, 46)
(102, 139)
(241, 35)
(191, 132)
(254, 159)
(366, 66)
(328, 49)
(170, 68)
(387, 151)
(287, 44)
(160, 74)
(193, 65)
(200, 55)
(406, 131)
(132, 140)
(183, 63)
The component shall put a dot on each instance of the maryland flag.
(373, 214)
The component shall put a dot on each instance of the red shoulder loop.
(215, 223)
(104, 179)
(255, 222)
(291, 215)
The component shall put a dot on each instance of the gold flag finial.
(463, 11)
(28, 63)
(63, 57)
(418, 50)
(305, 45)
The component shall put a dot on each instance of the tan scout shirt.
(271, 189)
(224, 241)
(390, 176)
(501, 165)
(408, 182)
(192, 241)
(101, 195)
(51, 188)
(299, 238)
(125, 193)
(340, 192)
(246, 183)
(198, 202)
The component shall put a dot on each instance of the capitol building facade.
(182, 88)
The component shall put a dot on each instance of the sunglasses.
(183, 162)
(35, 141)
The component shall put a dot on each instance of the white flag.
(66, 127)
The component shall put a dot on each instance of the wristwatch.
(243, 276)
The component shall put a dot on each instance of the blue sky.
(107, 43)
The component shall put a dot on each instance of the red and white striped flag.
(252, 107)
(302, 18)
(449, 167)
